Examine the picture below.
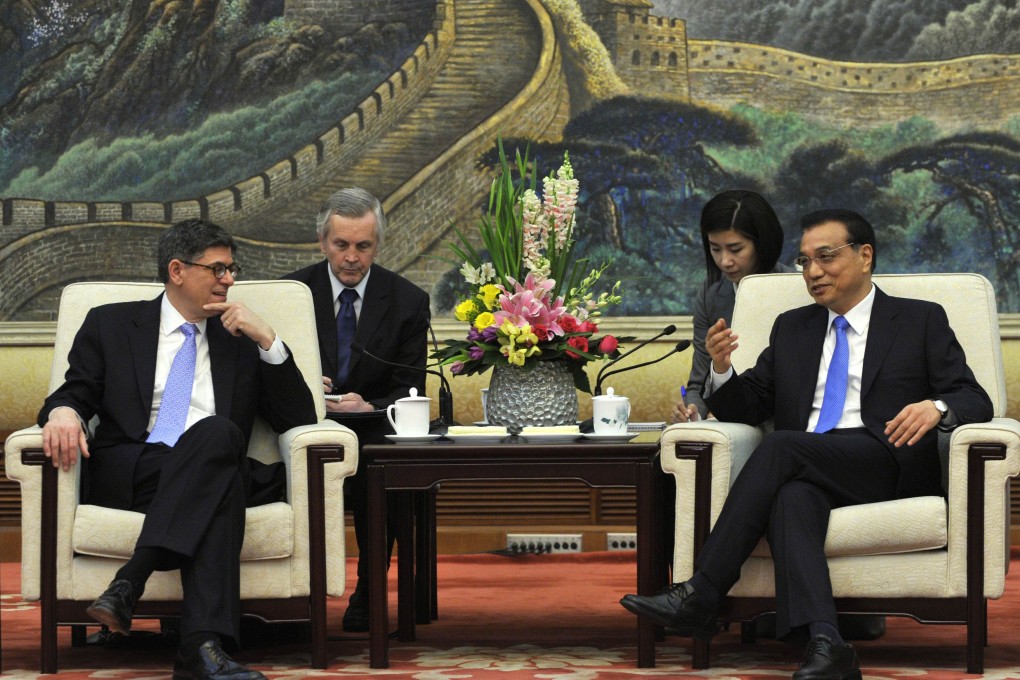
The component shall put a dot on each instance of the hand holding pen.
(684, 412)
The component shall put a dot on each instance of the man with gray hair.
(361, 303)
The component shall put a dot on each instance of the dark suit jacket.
(393, 325)
(911, 355)
(112, 369)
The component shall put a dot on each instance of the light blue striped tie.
(836, 379)
(173, 409)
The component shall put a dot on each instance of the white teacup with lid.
(410, 416)
(610, 413)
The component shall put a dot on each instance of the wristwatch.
(943, 409)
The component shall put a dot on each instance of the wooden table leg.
(649, 538)
(405, 509)
(423, 557)
(433, 553)
(378, 559)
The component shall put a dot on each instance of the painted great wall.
(46, 244)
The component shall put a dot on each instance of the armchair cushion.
(104, 532)
(899, 526)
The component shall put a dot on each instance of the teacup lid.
(610, 394)
(414, 396)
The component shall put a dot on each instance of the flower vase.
(541, 396)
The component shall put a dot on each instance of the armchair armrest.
(704, 458)
(318, 459)
(49, 498)
(982, 459)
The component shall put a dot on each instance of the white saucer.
(481, 423)
(412, 438)
(476, 438)
(625, 437)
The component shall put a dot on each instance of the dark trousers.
(785, 491)
(193, 496)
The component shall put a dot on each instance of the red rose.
(541, 331)
(580, 342)
(608, 344)
(568, 324)
(587, 327)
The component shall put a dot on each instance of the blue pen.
(683, 394)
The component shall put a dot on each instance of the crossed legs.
(785, 492)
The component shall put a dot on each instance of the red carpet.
(549, 616)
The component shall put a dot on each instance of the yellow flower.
(526, 336)
(466, 310)
(516, 357)
(509, 329)
(488, 295)
(484, 320)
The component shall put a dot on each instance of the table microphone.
(445, 395)
(680, 346)
(668, 330)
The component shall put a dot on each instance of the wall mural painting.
(118, 117)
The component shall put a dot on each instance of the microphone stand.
(680, 346)
(445, 395)
(668, 330)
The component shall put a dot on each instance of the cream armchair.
(935, 559)
(293, 553)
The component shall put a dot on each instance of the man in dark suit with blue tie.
(176, 383)
(856, 384)
(359, 302)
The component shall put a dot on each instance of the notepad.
(480, 429)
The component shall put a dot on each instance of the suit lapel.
(373, 309)
(143, 341)
(222, 363)
(882, 331)
(816, 325)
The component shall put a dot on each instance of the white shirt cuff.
(276, 354)
(719, 379)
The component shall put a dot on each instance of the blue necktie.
(173, 409)
(836, 379)
(346, 325)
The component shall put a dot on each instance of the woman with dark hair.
(741, 235)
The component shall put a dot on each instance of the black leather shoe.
(828, 660)
(678, 608)
(115, 607)
(356, 616)
(210, 662)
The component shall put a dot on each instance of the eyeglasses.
(822, 259)
(219, 270)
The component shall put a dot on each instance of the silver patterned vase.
(542, 396)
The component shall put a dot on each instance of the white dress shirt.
(338, 288)
(203, 401)
(859, 318)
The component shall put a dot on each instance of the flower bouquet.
(527, 299)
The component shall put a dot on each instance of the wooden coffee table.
(415, 468)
